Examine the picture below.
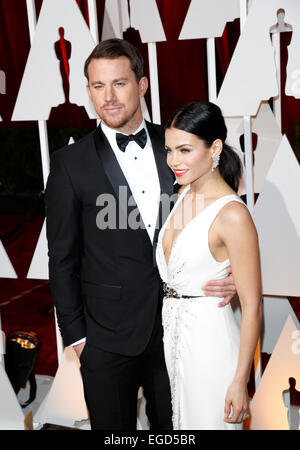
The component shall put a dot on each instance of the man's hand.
(221, 288)
(78, 349)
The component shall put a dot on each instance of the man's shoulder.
(76, 149)
(154, 127)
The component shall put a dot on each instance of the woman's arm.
(239, 235)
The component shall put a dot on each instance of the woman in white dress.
(208, 357)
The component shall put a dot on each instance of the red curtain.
(14, 49)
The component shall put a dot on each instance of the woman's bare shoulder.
(235, 214)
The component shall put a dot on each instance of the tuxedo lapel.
(166, 179)
(120, 186)
(117, 178)
(114, 173)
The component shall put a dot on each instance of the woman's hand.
(236, 402)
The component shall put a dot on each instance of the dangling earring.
(215, 163)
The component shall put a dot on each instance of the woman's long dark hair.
(205, 120)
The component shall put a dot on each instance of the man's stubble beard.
(111, 123)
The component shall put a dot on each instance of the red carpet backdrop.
(41, 99)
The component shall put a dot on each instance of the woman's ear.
(217, 147)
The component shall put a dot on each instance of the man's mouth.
(112, 109)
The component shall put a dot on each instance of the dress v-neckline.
(181, 197)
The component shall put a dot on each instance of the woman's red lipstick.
(179, 173)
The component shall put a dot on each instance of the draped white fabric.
(201, 340)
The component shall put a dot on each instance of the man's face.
(115, 93)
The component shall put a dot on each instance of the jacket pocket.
(104, 305)
(109, 291)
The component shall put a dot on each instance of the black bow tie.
(140, 138)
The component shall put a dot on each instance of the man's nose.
(109, 93)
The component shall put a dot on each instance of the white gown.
(201, 340)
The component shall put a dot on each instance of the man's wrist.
(80, 341)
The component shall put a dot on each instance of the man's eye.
(98, 86)
(120, 84)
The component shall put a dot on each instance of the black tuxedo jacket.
(104, 282)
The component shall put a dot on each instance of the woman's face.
(188, 156)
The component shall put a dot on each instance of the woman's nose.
(173, 159)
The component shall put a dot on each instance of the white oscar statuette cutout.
(276, 311)
(117, 20)
(64, 404)
(265, 126)
(6, 267)
(277, 219)
(38, 268)
(270, 407)
(11, 415)
(93, 20)
(151, 31)
(251, 76)
(276, 30)
(41, 86)
(207, 20)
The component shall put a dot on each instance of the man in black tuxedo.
(102, 270)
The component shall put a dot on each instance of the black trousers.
(111, 383)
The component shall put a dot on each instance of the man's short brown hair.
(114, 48)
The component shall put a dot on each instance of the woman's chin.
(183, 181)
(180, 181)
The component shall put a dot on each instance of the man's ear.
(143, 86)
(88, 91)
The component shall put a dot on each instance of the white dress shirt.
(139, 168)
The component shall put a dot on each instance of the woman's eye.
(185, 150)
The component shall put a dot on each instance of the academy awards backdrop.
(242, 55)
